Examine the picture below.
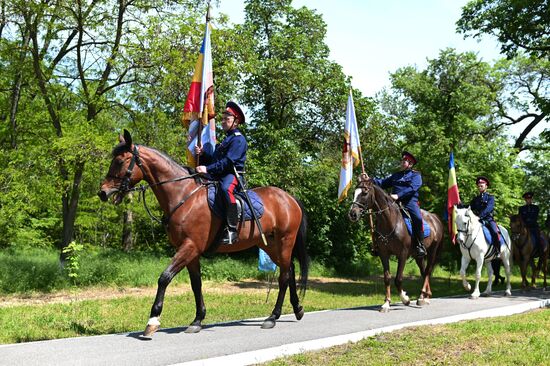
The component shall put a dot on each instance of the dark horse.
(192, 227)
(392, 238)
(524, 251)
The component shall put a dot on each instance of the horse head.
(464, 218)
(360, 198)
(517, 227)
(122, 176)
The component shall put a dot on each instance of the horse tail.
(299, 251)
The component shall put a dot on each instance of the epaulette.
(237, 134)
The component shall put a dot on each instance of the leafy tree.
(452, 104)
(518, 25)
(525, 97)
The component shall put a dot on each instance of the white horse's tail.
(507, 241)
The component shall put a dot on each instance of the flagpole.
(204, 116)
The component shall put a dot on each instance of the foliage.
(73, 253)
(516, 24)
(64, 105)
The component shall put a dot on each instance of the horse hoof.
(486, 294)
(422, 302)
(384, 309)
(507, 293)
(193, 329)
(150, 330)
(268, 324)
(472, 297)
(407, 303)
(299, 314)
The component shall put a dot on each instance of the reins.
(125, 182)
(365, 208)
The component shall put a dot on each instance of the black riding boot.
(418, 241)
(231, 235)
(420, 248)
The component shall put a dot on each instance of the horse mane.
(385, 196)
(123, 147)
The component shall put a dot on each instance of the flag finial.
(208, 13)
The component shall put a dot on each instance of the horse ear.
(127, 137)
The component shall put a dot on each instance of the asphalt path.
(244, 342)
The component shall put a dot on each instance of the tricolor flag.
(350, 151)
(453, 198)
(199, 106)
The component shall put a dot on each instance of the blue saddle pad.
(216, 204)
(487, 235)
(409, 226)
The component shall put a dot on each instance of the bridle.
(124, 186)
(363, 208)
(467, 234)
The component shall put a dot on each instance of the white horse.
(474, 246)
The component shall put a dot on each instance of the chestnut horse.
(523, 246)
(192, 227)
(392, 238)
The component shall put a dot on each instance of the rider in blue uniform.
(483, 205)
(405, 185)
(218, 164)
(529, 213)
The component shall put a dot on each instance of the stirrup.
(230, 237)
(420, 251)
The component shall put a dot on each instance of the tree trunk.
(70, 205)
(16, 91)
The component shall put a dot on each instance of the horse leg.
(294, 299)
(426, 291)
(489, 288)
(387, 283)
(545, 269)
(505, 257)
(399, 281)
(523, 270)
(463, 267)
(283, 285)
(479, 266)
(194, 270)
(178, 262)
(534, 273)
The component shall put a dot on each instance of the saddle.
(488, 238)
(216, 204)
(407, 219)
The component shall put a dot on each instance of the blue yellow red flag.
(453, 198)
(199, 105)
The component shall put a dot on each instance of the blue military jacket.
(405, 184)
(231, 152)
(483, 205)
(530, 215)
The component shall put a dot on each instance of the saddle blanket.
(488, 239)
(216, 204)
(427, 229)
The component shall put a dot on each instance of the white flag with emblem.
(350, 150)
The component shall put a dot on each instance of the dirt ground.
(100, 293)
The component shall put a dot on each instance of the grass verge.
(514, 340)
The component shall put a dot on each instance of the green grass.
(514, 340)
(37, 273)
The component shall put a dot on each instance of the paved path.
(243, 342)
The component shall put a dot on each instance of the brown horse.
(192, 227)
(523, 246)
(392, 238)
